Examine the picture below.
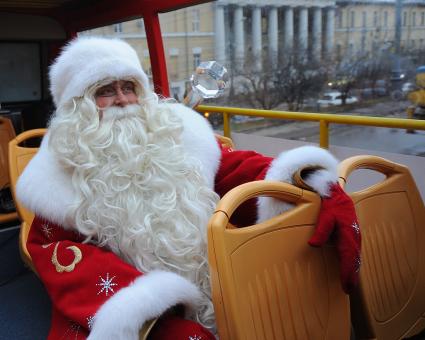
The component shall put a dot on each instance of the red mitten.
(172, 327)
(338, 218)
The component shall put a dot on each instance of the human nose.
(120, 98)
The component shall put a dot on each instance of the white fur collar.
(45, 186)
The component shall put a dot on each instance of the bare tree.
(258, 85)
(297, 78)
(377, 67)
(345, 73)
(290, 81)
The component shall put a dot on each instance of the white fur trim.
(87, 60)
(287, 164)
(149, 296)
(45, 187)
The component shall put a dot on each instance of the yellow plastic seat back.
(390, 302)
(225, 141)
(19, 157)
(7, 132)
(267, 282)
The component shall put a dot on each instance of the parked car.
(407, 87)
(335, 98)
(370, 92)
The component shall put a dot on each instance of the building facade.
(250, 33)
(368, 26)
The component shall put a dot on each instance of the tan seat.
(390, 302)
(18, 159)
(225, 141)
(7, 132)
(267, 282)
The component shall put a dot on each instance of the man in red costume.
(122, 188)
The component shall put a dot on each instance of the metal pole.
(324, 134)
(396, 72)
(226, 125)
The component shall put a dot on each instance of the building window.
(174, 66)
(352, 18)
(423, 19)
(375, 19)
(196, 52)
(351, 49)
(147, 68)
(175, 90)
(364, 18)
(404, 18)
(118, 28)
(146, 62)
(195, 20)
(414, 19)
(412, 44)
(339, 19)
(386, 19)
(338, 51)
(173, 52)
(196, 60)
(141, 24)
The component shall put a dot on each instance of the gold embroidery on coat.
(69, 268)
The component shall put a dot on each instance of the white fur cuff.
(149, 296)
(287, 164)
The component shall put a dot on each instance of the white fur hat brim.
(88, 60)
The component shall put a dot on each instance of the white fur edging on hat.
(87, 60)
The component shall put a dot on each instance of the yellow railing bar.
(226, 124)
(324, 134)
(323, 118)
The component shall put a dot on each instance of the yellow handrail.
(323, 118)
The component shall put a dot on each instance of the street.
(364, 137)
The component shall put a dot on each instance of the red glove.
(172, 327)
(338, 217)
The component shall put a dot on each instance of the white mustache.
(117, 113)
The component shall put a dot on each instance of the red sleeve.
(79, 277)
(239, 167)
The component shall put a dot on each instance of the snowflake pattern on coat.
(106, 284)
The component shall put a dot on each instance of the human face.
(118, 93)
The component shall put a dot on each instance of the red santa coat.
(80, 277)
(87, 283)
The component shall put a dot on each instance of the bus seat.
(390, 301)
(267, 282)
(7, 132)
(225, 141)
(19, 157)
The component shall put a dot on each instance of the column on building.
(239, 43)
(272, 33)
(317, 34)
(288, 33)
(219, 37)
(302, 30)
(329, 30)
(256, 37)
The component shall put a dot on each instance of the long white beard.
(144, 197)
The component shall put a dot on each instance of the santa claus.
(122, 188)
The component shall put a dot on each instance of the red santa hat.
(87, 60)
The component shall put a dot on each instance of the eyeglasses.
(111, 90)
